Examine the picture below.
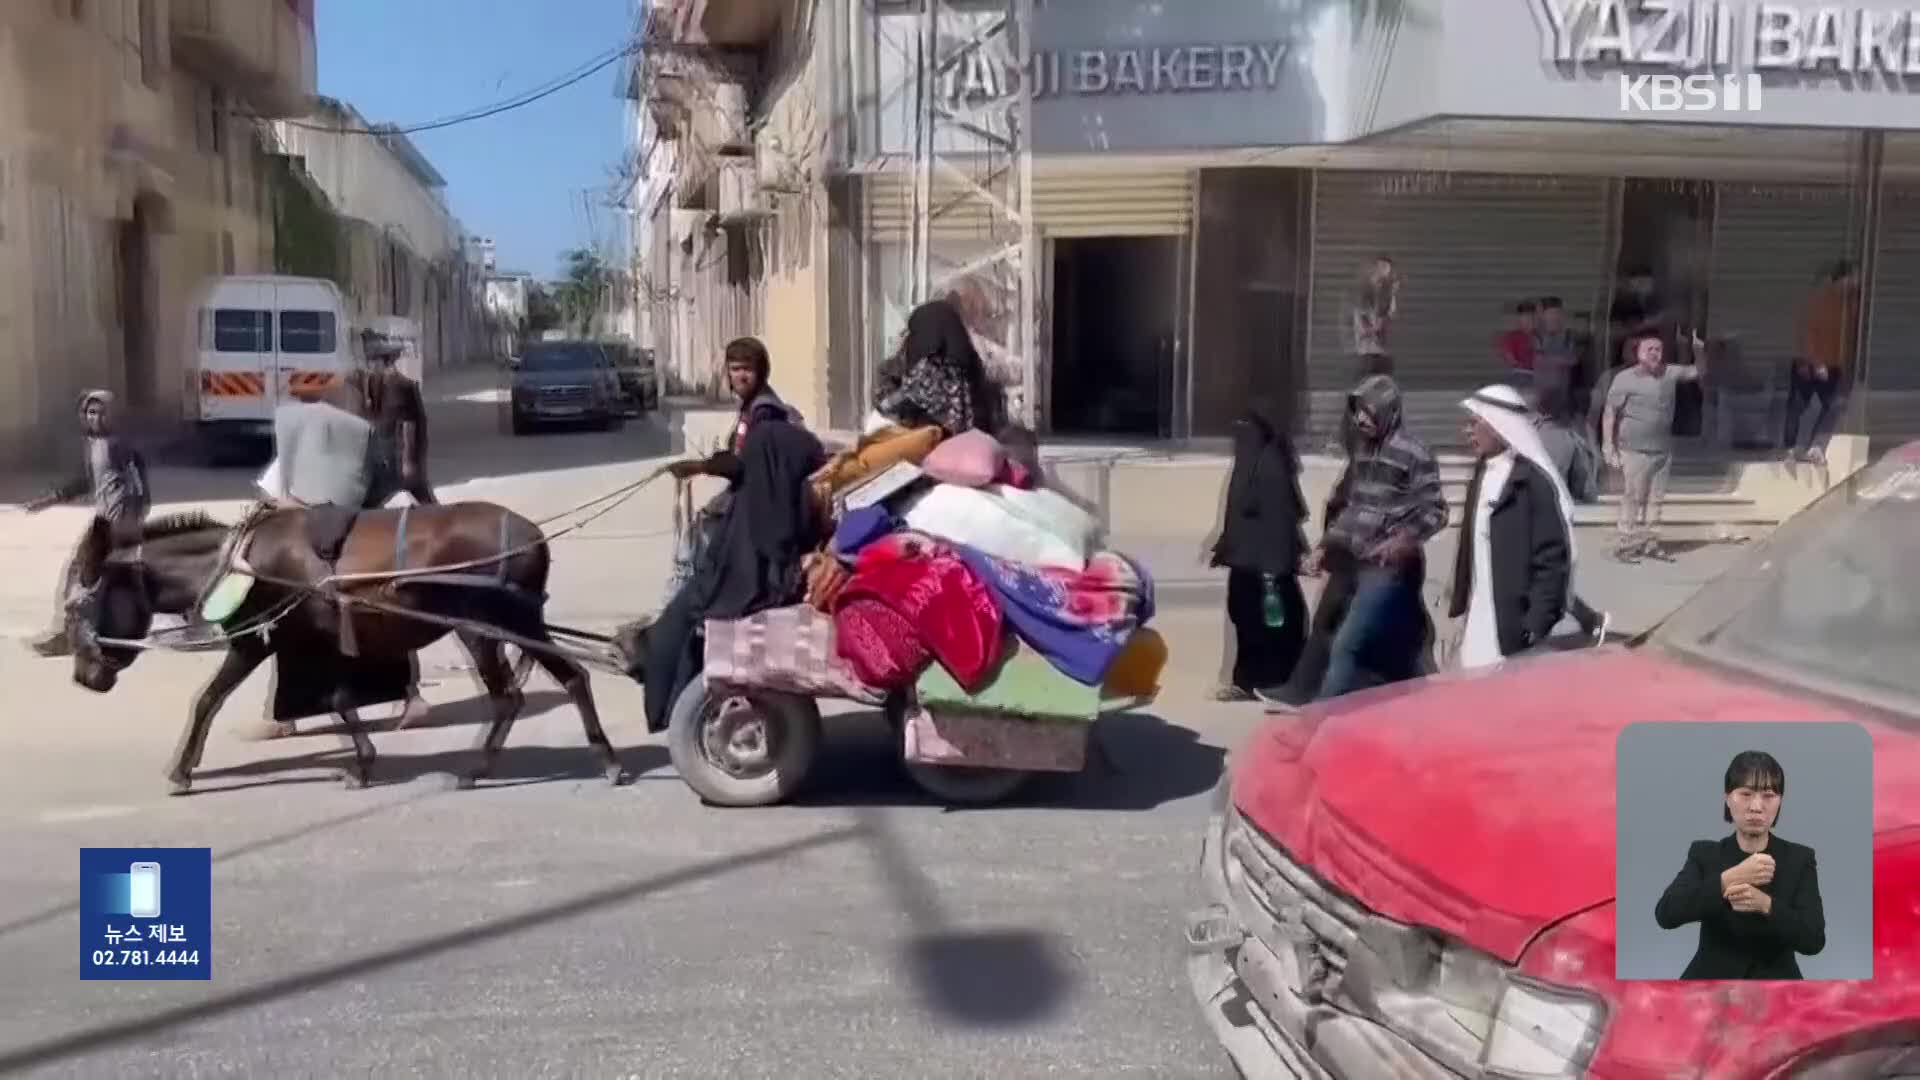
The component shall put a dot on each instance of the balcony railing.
(261, 50)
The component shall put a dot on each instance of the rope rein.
(264, 623)
(617, 497)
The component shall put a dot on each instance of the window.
(241, 330)
(306, 332)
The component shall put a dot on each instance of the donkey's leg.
(507, 701)
(242, 658)
(573, 679)
(363, 756)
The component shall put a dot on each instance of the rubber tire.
(954, 785)
(520, 427)
(963, 786)
(799, 744)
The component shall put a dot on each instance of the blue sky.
(518, 176)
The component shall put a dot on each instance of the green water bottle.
(1272, 608)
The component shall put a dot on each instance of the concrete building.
(405, 252)
(480, 252)
(1207, 183)
(130, 169)
(731, 194)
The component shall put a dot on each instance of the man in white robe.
(1514, 565)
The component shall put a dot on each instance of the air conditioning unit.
(739, 196)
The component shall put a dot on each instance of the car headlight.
(1541, 1034)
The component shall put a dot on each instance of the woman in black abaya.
(1261, 544)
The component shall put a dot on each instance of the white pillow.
(1039, 528)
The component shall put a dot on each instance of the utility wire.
(592, 68)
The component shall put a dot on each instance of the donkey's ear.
(93, 553)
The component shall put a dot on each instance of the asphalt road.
(549, 924)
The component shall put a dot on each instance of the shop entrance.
(1116, 335)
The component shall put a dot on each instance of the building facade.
(130, 169)
(1206, 185)
(404, 254)
(732, 203)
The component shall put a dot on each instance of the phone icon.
(143, 890)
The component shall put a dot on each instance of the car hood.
(537, 380)
(1482, 804)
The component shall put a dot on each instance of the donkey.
(182, 557)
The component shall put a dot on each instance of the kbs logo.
(1689, 93)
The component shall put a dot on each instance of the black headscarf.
(1265, 507)
(753, 562)
(938, 337)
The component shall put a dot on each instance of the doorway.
(1116, 335)
(135, 243)
(1666, 238)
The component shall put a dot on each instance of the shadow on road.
(358, 969)
(276, 840)
(995, 978)
(515, 766)
(1138, 762)
(476, 711)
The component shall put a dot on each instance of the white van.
(260, 337)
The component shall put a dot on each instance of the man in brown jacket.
(1822, 371)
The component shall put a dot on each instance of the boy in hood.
(1392, 506)
(115, 475)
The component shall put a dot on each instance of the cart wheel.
(963, 785)
(957, 785)
(742, 750)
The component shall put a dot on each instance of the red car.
(1418, 880)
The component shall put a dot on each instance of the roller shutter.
(1770, 244)
(1115, 203)
(1468, 246)
(1893, 336)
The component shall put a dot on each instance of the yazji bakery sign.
(1723, 35)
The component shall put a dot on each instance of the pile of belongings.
(955, 574)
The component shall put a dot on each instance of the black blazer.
(1745, 944)
(1531, 559)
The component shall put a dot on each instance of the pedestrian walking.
(1556, 351)
(1392, 506)
(1822, 373)
(1514, 348)
(1514, 562)
(1261, 545)
(1376, 303)
(327, 461)
(115, 475)
(398, 412)
(1637, 429)
(1575, 461)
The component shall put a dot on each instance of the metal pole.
(1030, 406)
(925, 123)
(1866, 240)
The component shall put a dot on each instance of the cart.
(748, 730)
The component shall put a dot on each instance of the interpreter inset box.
(1743, 850)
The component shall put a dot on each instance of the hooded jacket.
(111, 471)
(1391, 481)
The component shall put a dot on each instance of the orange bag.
(873, 453)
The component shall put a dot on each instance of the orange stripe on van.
(310, 380)
(232, 384)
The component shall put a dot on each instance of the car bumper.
(1247, 998)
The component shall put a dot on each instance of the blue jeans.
(1380, 639)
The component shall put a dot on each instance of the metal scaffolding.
(973, 235)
